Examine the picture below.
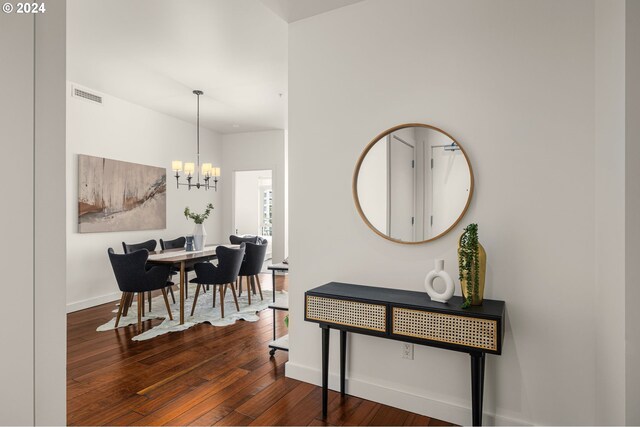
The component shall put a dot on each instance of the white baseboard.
(92, 302)
(399, 399)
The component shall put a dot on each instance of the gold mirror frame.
(356, 172)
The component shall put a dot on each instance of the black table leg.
(343, 359)
(325, 369)
(477, 387)
(273, 284)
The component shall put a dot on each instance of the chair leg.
(166, 302)
(120, 307)
(259, 287)
(221, 302)
(195, 299)
(140, 308)
(248, 290)
(224, 294)
(149, 296)
(186, 285)
(173, 297)
(127, 303)
(239, 285)
(235, 298)
(252, 280)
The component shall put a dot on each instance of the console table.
(406, 316)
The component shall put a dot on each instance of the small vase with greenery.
(471, 266)
(199, 233)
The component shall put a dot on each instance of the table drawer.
(355, 314)
(459, 330)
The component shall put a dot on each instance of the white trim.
(92, 302)
(419, 404)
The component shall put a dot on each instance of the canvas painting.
(120, 196)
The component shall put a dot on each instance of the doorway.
(253, 205)
(450, 186)
(401, 184)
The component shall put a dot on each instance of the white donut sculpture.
(448, 281)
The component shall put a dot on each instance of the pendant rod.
(198, 93)
(177, 166)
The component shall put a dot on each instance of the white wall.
(632, 209)
(256, 151)
(17, 122)
(49, 225)
(514, 83)
(32, 362)
(610, 216)
(124, 131)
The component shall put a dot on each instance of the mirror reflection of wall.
(414, 183)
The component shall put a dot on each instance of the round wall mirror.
(412, 183)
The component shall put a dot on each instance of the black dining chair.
(247, 238)
(251, 267)
(133, 277)
(149, 245)
(177, 243)
(226, 273)
(234, 239)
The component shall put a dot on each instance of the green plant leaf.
(469, 263)
(198, 218)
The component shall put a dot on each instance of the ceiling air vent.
(79, 93)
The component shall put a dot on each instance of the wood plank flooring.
(202, 376)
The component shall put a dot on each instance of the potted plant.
(199, 233)
(472, 262)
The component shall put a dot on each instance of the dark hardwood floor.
(202, 376)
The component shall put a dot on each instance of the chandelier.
(190, 169)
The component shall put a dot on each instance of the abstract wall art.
(120, 196)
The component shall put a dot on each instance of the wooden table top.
(181, 255)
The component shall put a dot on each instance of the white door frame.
(233, 193)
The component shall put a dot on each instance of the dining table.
(183, 259)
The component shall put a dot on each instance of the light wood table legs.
(140, 308)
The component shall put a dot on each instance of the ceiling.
(155, 52)
(295, 10)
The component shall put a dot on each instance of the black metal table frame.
(274, 268)
(477, 373)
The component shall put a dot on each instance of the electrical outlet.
(407, 351)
